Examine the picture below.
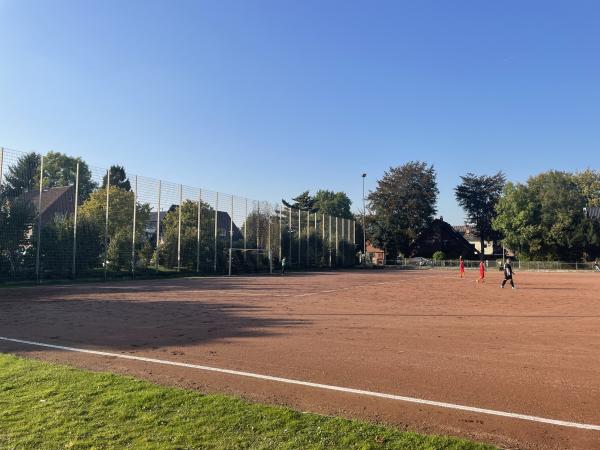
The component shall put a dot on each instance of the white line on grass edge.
(329, 387)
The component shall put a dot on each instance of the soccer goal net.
(262, 259)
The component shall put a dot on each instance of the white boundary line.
(329, 387)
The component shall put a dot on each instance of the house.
(55, 201)
(375, 255)
(469, 233)
(440, 236)
(223, 224)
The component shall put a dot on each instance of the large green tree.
(61, 170)
(118, 178)
(16, 221)
(189, 236)
(120, 222)
(544, 218)
(333, 204)
(478, 195)
(403, 204)
(23, 176)
(588, 182)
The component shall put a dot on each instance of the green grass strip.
(44, 405)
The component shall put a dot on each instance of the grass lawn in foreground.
(45, 405)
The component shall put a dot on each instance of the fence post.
(337, 245)
(269, 241)
(258, 235)
(315, 239)
(73, 269)
(231, 235)
(1, 164)
(216, 220)
(133, 227)
(299, 239)
(158, 227)
(330, 242)
(323, 242)
(280, 214)
(307, 238)
(290, 234)
(179, 229)
(39, 230)
(198, 232)
(106, 224)
(245, 228)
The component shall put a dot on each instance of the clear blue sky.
(268, 98)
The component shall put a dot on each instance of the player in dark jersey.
(508, 274)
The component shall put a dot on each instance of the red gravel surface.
(425, 334)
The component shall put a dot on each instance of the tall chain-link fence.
(61, 218)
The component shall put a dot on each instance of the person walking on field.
(596, 266)
(461, 265)
(508, 274)
(283, 263)
(481, 278)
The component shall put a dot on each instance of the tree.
(24, 175)
(403, 204)
(544, 218)
(56, 252)
(189, 235)
(120, 222)
(333, 204)
(478, 196)
(588, 182)
(61, 170)
(118, 178)
(16, 221)
(303, 202)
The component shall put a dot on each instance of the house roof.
(55, 200)
(441, 235)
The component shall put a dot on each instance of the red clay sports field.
(423, 350)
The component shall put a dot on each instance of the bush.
(439, 256)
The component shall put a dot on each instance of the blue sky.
(266, 99)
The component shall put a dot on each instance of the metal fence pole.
(106, 224)
(216, 220)
(245, 228)
(290, 234)
(179, 229)
(198, 232)
(299, 239)
(133, 227)
(337, 245)
(316, 239)
(307, 238)
(158, 226)
(1, 164)
(257, 235)
(231, 235)
(323, 242)
(343, 242)
(330, 242)
(73, 269)
(269, 242)
(39, 230)
(280, 214)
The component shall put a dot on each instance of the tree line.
(544, 218)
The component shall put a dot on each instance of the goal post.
(258, 252)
